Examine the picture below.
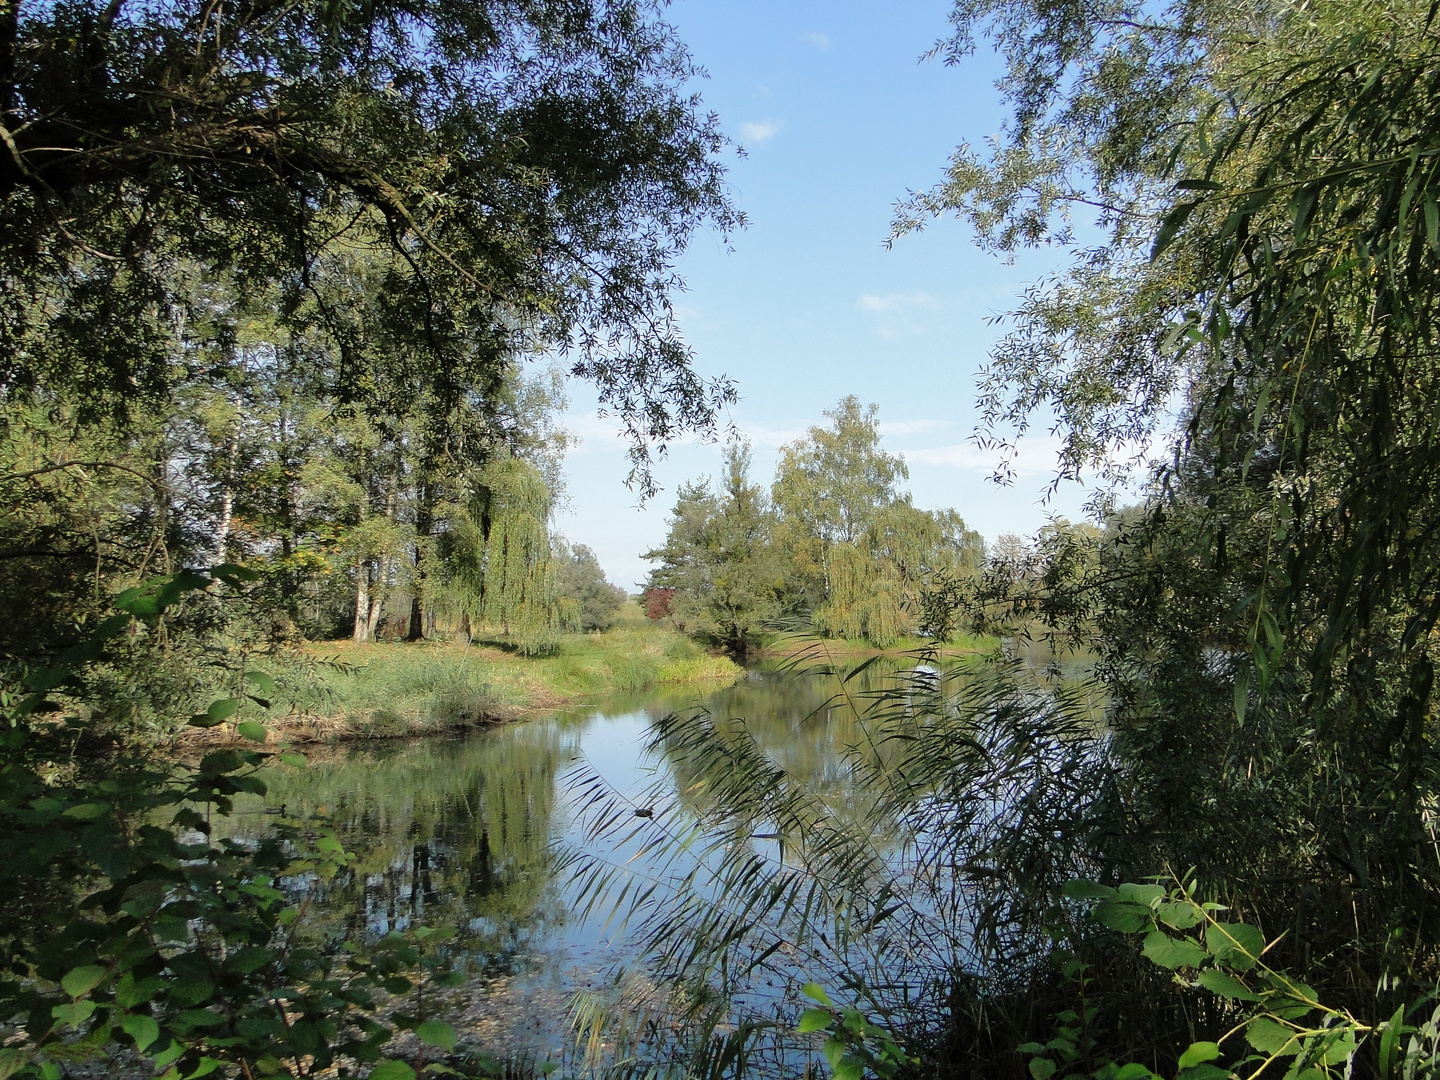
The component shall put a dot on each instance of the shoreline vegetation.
(345, 691)
(342, 691)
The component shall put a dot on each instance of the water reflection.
(443, 832)
(466, 833)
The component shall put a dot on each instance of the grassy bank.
(386, 690)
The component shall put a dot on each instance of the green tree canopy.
(511, 176)
(588, 601)
(721, 560)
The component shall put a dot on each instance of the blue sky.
(839, 118)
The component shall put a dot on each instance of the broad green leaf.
(253, 730)
(81, 980)
(86, 811)
(1199, 1053)
(1271, 1038)
(390, 1069)
(1169, 952)
(437, 1033)
(1080, 889)
(223, 709)
(1180, 916)
(73, 1014)
(1041, 1068)
(1133, 1071)
(815, 993)
(1237, 945)
(849, 1069)
(262, 682)
(12, 1060)
(814, 1020)
(143, 1029)
(1117, 915)
(206, 1066)
(231, 573)
(294, 760)
(1226, 985)
(1204, 1072)
(1147, 896)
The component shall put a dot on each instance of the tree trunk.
(227, 495)
(362, 601)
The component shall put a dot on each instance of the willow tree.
(1267, 190)
(497, 559)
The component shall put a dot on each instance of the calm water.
(468, 832)
(479, 833)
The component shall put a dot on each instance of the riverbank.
(808, 650)
(342, 691)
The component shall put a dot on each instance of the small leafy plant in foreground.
(129, 926)
(854, 1044)
(1276, 1021)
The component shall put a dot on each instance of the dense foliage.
(836, 543)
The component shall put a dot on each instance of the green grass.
(383, 690)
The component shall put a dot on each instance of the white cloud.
(758, 131)
(891, 303)
(909, 427)
(817, 40)
(1038, 456)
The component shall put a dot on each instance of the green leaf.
(143, 1029)
(253, 730)
(1271, 1038)
(1390, 1042)
(1198, 1053)
(1042, 1068)
(1132, 1071)
(1204, 1072)
(437, 1033)
(12, 1060)
(1237, 945)
(86, 811)
(1169, 952)
(73, 1014)
(1147, 896)
(1226, 985)
(233, 573)
(1180, 916)
(1170, 225)
(1080, 889)
(814, 1020)
(392, 1070)
(262, 682)
(294, 760)
(849, 1069)
(1127, 918)
(814, 992)
(81, 980)
(221, 710)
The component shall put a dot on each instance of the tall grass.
(384, 690)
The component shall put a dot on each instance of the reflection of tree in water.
(445, 832)
(800, 723)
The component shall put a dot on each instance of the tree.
(1267, 623)
(580, 580)
(720, 559)
(857, 549)
(501, 176)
